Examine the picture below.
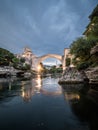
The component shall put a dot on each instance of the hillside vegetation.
(85, 49)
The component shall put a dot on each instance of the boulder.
(92, 74)
(72, 75)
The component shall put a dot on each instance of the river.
(43, 104)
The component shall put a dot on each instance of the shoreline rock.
(92, 74)
(73, 76)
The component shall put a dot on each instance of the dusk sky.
(45, 26)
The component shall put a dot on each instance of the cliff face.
(92, 74)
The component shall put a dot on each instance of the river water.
(43, 104)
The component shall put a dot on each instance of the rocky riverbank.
(92, 74)
(7, 71)
(72, 75)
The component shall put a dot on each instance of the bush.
(82, 66)
(68, 62)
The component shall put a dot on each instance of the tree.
(26, 67)
(92, 28)
(68, 60)
(22, 60)
(5, 57)
(81, 49)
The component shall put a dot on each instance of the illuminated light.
(38, 84)
(78, 97)
(23, 94)
(72, 96)
(39, 68)
(39, 80)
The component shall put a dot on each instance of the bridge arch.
(42, 58)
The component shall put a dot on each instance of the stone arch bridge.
(35, 61)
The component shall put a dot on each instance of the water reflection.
(71, 96)
(71, 92)
(51, 87)
(25, 88)
(26, 93)
(87, 110)
(49, 105)
(38, 84)
(6, 91)
(84, 103)
(29, 89)
(47, 86)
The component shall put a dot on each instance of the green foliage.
(94, 22)
(81, 50)
(26, 67)
(94, 13)
(56, 70)
(68, 62)
(15, 60)
(94, 60)
(59, 70)
(94, 27)
(5, 57)
(20, 64)
(74, 61)
(82, 65)
(94, 31)
(22, 60)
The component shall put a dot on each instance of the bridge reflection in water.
(34, 87)
(49, 105)
(47, 86)
(39, 85)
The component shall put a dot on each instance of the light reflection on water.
(40, 103)
(47, 86)
(34, 87)
(71, 96)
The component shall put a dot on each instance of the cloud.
(32, 23)
(60, 24)
(46, 26)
